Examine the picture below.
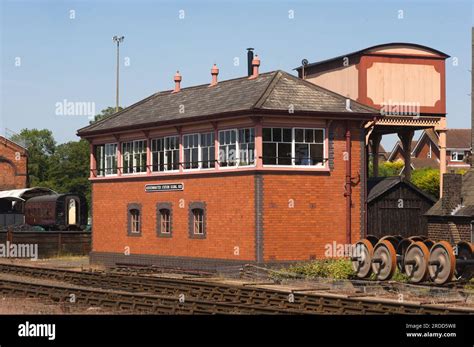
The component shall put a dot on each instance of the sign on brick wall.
(164, 187)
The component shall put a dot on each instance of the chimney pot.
(214, 73)
(255, 65)
(177, 81)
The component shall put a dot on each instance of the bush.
(388, 168)
(427, 179)
(328, 268)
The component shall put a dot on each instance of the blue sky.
(74, 59)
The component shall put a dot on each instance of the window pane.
(233, 136)
(267, 134)
(302, 154)
(284, 154)
(317, 154)
(287, 135)
(269, 153)
(318, 136)
(308, 135)
(276, 134)
(299, 135)
(195, 159)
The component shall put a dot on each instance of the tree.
(105, 113)
(41, 146)
(427, 179)
(69, 168)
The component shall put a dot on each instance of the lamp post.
(118, 40)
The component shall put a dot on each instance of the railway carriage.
(57, 212)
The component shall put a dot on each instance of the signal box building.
(266, 168)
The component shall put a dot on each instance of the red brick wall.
(230, 217)
(425, 148)
(13, 166)
(319, 213)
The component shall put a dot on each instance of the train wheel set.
(418, 257)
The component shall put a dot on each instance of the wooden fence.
(51, 243)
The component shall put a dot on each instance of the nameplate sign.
(165, 187)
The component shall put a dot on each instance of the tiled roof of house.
(276, 90)
(420, 163)
(458, 138)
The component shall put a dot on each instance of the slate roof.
(467, 194)
(275, 90)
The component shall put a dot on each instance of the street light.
(118, 40)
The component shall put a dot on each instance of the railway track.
(160, 295)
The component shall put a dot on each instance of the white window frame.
(322, 165)
(132, 153)
(456, 153)
(103, 158)
(237, 149)
(106, 156)
(199, 148)
(165, 159)
(135, 222)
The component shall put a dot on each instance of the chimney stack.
(452, 187)
(214, 73)
(255, 65)
(249, 61)
(177, 82)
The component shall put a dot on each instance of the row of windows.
(164, 220)
(281, 146)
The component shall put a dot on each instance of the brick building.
(13, 165)
(264, 168)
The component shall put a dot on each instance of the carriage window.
(134, 220)
(134, 156)
(165, 153)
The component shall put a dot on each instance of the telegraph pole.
(118, 40)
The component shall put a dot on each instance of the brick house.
(426, 151)
(13, 165)
(264, 168)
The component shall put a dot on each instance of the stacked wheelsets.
(418, 257)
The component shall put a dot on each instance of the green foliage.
(69, 168)
(427, 179)
(327, 268)
(40, 145)
(387, 168)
